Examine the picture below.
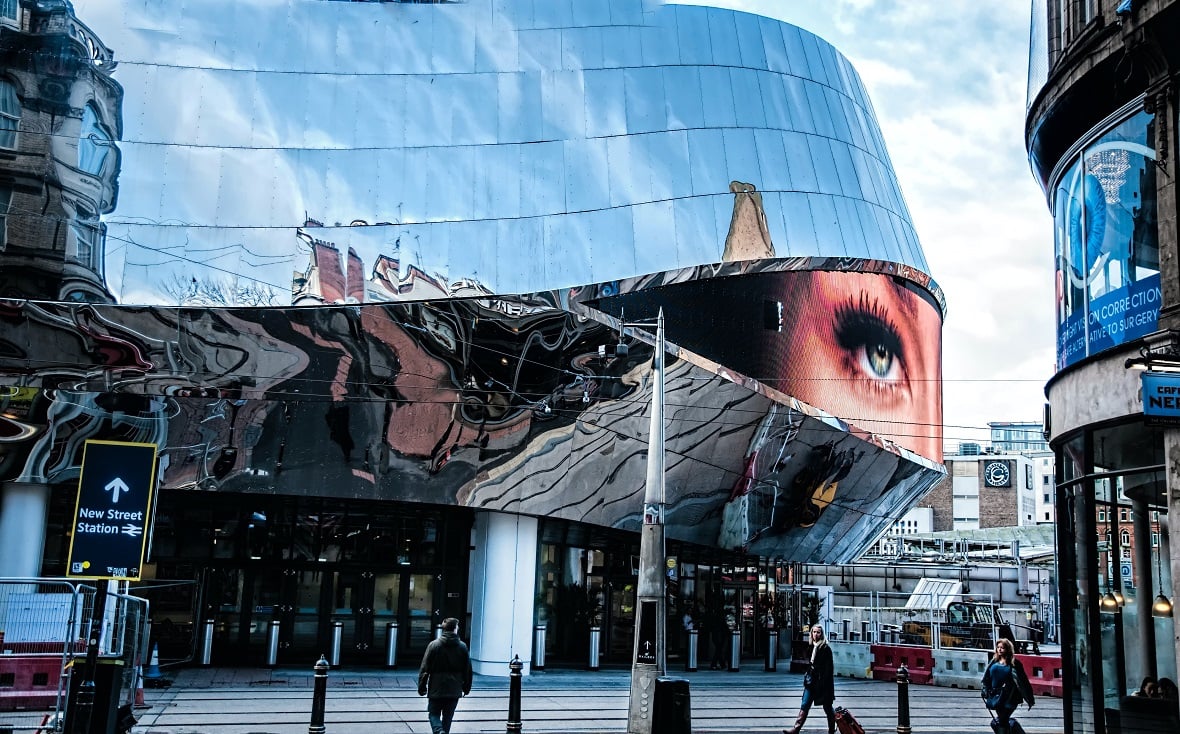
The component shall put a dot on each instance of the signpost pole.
(83, 704)
(650, 644)
(112, 521)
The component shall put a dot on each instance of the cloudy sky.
(948, 81)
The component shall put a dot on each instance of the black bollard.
(514, 676)
(320, 692)
(903, 700)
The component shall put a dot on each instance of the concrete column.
(1162, 102)
(503, 591)
(1164, 667)
(24, 511)
(1144, 589)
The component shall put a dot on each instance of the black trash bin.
(671, 711)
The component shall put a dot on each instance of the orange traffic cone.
(139, 702)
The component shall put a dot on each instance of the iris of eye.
(880, 359)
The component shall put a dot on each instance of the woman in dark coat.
(819, 685)
(1005, 685)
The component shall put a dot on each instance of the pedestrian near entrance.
(819, 683)
(1005, 686)
(444, 676)
(720, 638)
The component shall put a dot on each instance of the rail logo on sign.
(1161, 398)
(113, 514)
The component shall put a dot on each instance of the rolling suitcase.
(847, 723)
(1014, 726)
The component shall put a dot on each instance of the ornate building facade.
(1101, 136)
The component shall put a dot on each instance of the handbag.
(992, 697)
(807, 679)
(1007, 694)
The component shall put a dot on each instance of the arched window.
(85, 245)
(9, 115)
(94, 143)
(1125, 539)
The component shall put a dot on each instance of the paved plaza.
(360, 701)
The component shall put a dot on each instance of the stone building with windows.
(1101, 139)
(60, 115)
(987, 490)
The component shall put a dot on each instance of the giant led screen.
(864, 345)
(1108, 280)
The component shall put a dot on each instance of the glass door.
(387, 595)
(261, 605)
(300, 638)
(740, 608)
(345, 599)
(620, 615)
(421, 612)
(226, 588)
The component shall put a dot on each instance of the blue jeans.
(441, 711)
(805, 707)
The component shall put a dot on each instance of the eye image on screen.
(867, 349)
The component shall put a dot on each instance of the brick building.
(988, 490)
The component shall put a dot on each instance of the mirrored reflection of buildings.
(377, 341)
(1101, 137)
(60, 115)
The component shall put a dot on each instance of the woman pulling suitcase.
(1005, 687)
(819, 684)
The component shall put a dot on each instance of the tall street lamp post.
(650, 652)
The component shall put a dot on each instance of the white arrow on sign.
(132, 530)
(116, 486)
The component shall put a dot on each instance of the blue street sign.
(1161, 398)
(112, 519)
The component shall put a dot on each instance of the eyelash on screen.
(866, 323)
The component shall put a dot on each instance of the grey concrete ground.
(364, 701)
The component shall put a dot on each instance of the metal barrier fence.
(935, 620)
(44, 631)
(128, 634)
(43, 627)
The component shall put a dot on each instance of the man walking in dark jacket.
(444, 676)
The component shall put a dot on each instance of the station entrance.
(319, 574)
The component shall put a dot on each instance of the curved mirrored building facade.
(374, 282)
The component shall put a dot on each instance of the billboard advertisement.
(1108, 282)
(865, 347)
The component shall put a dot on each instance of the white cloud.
(879, 74)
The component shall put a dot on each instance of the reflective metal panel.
(503, 403)
(314, 228)
(723, 38)
(682, 86)
(420, 117)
